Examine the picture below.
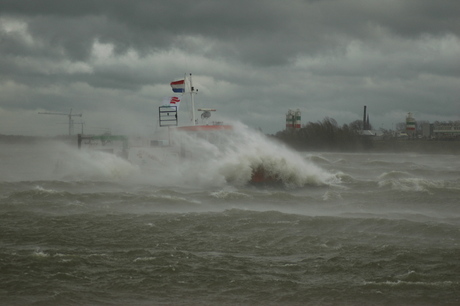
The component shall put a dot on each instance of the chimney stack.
(364, 118)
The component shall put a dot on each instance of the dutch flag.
(178, 86)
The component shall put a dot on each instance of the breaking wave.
(231, 159)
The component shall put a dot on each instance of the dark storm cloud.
(265, 32)
(327, 55)
(142, 25)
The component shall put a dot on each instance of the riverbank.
(369, 145)
(416, 146)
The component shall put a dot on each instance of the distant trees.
(400, 126)
(326, 135)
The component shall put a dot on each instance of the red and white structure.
(410, 125)
(293, 119)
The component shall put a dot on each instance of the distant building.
(441, 130)
(427, 130)
(446, 130)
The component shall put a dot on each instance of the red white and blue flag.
(178, 86)
(171, 101)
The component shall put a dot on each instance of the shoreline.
(417, 146)
(371, 146)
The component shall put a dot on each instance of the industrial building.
(441, 130)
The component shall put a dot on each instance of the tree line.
(326, 135)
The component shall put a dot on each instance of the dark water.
(360, 229)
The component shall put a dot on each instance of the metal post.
(79, 141)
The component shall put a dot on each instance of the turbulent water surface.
(84, 227)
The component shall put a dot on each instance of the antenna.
(70, 115)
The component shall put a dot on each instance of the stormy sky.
(253, 60)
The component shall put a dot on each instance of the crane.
(82, 123)
(70, 115)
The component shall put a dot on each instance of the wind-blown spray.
(229, 157)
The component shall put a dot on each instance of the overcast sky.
(253, 60)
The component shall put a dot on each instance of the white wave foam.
(246, 150)
(43, 190)
(224, 194)
(394, 175)
(39, 253)
(227, 158)
(408, 283)
(332, 195)
(411, 184)
(144, 259)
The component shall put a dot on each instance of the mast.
(192, 99)
(180, 86)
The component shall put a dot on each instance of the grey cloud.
(277, 54)
(267, 33)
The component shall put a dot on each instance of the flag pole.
(192, 90)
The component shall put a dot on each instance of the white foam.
(235, 156)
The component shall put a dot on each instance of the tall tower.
(410, 125)
(290, 119)
(293, 119)
(297, 122)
